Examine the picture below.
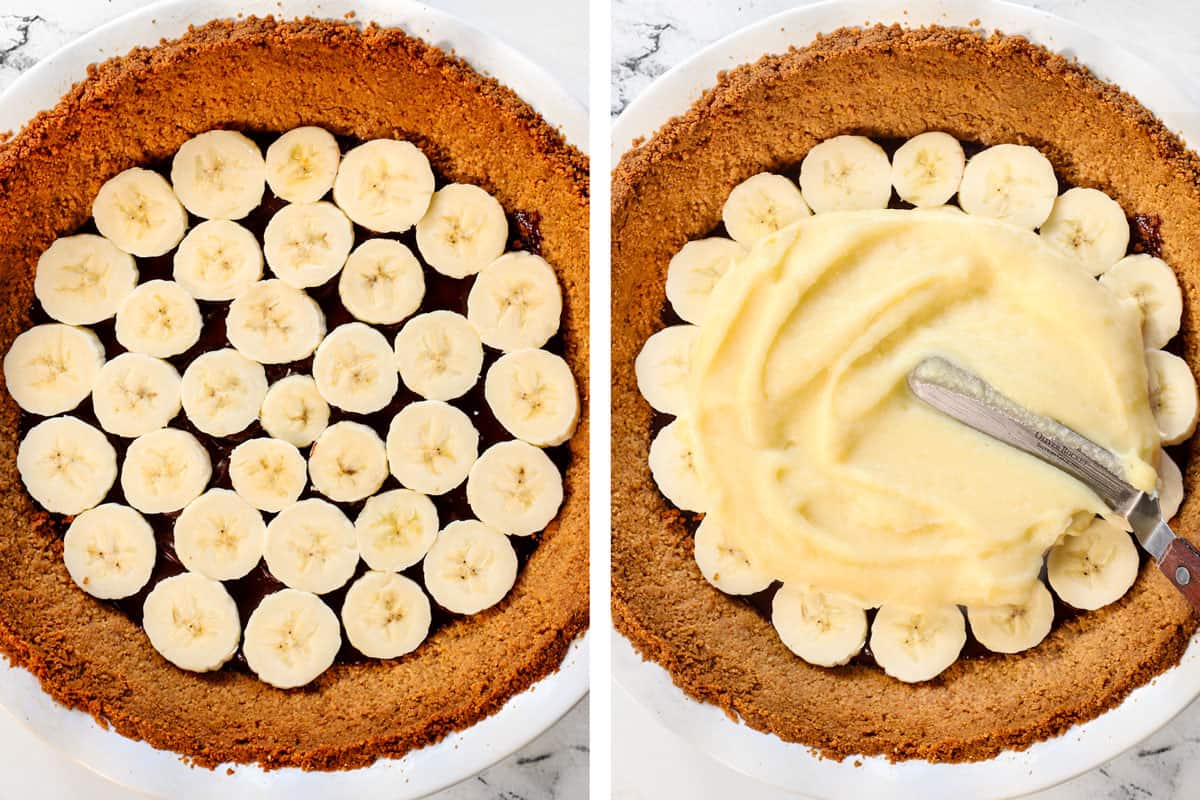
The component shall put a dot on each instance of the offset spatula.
(969, 399)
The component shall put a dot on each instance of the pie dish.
(93, 662)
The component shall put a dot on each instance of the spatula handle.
(1181, 564)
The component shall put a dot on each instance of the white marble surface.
(553, 34)
(651, 36)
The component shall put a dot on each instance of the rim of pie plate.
(792, 766)
(134, 764)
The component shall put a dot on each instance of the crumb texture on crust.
(881, 82)
(267, 75)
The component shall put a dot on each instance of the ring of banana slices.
(220, 412)
(1008, 182)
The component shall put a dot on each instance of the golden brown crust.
(883, 82)
(260, 74)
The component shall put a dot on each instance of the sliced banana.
(302, 164)
(673, 467)
(384, 185)
(83, 279)
(66, 465)
(431, 446)
(1013, 183)
(1014, 628)
(218, 260)
(382, 282)
(269, 474)
(515, 302)
(159, 318)
(761, 205)
(294, 411)
(927, 169)
(662, 368)
(463, 231)
(274, 323)
(306, 244)
(470, 567)
(220, 535)
(723, 565)
(1089, 225)
(1170, 486)
(515, 488)
(136, 394)
(51, 368)
(138, 212)
(311, 546)
(348, 462)
(1151, 283)
(533, 395)
(1172, 395)
(219, 175)
(223, 391)
(192, 622)
(439, 355)
(291, 638)
(109, 551)
(164, 471)
(355, 370)
(1093, 568)
(693, 274)
(846, 173)
(386, 615)
(824, 629)
(915, 645)
(395, 529)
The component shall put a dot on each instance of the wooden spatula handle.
(1181, 564)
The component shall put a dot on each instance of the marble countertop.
(651, 36)
(555, 765)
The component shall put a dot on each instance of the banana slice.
(1093, 568)
(109, 551)
(470, 567)
(274, 323)
(348, 462)
(223, 391)
(382, 282)
(386, 615)
(218, 260)
(294, 411)
(662, 368)
(761, 205)
(1170, 486)
(83, 279)
(355, 370)
(164, 471)
(302, 164)
(463, 231)
(159, 318)
(66, 465)
(846, 173)
(1014, 628)
(927, 169)
(515, 302)
(724, 566)
(138, 212)
(311, 546)
(1150, 283)
(51, 368)
(533, 395)
(431, 446)
(917, 645)
(269, 474)
(219, 175)
(439, 355)
(1089, 225)
(1010, 182)
(824, 629)
(220, 535)
(384, 185)
(305, 244)
(192, 622)
(693, 274)
(395, 529)
(673, 467)
(1172, 395)
(136, 394)
(515, 488)
(291, 638)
